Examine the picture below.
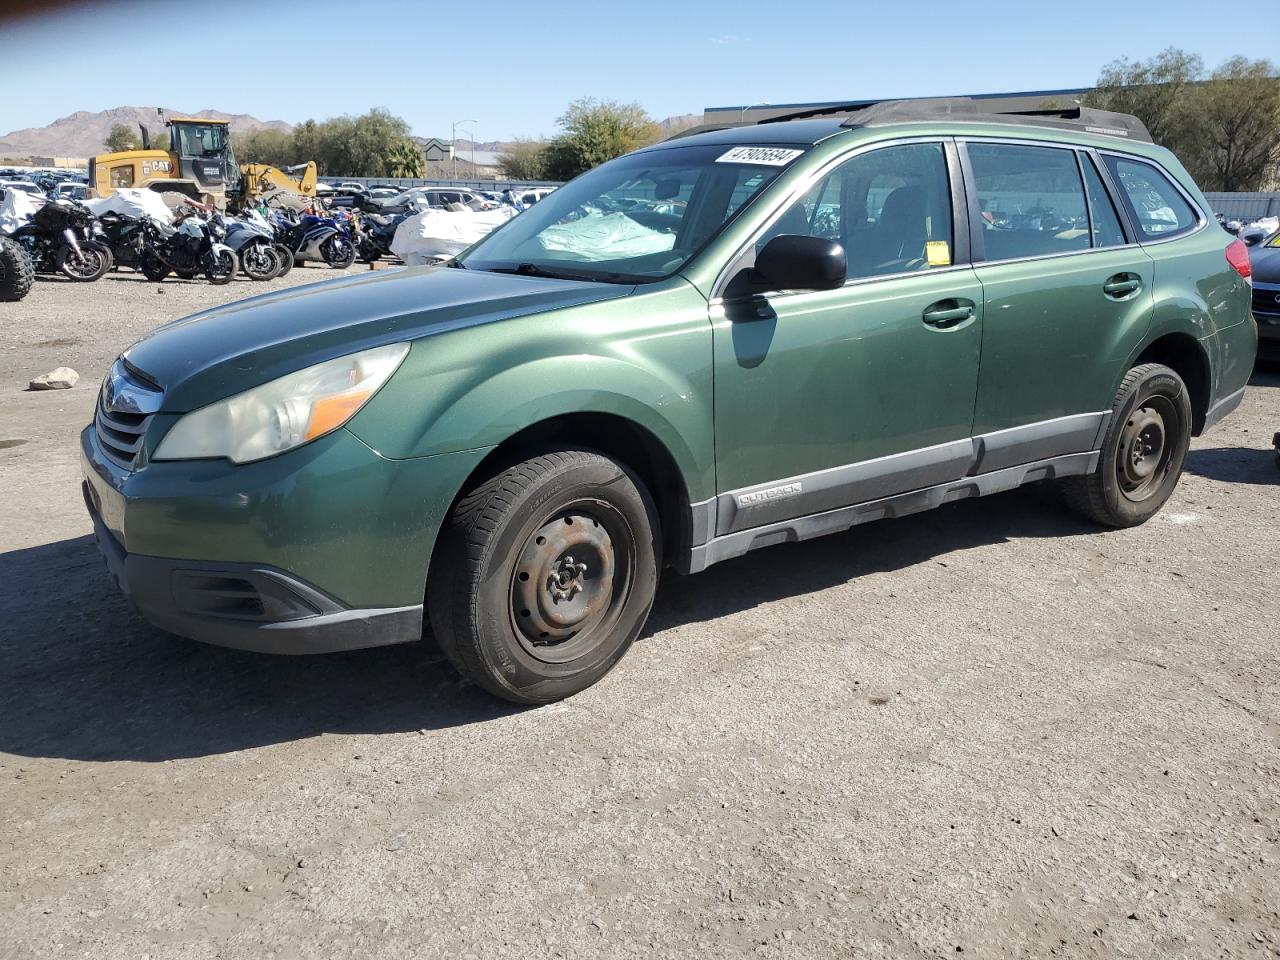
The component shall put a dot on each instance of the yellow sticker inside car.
(938, 253)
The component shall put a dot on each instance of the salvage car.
(825, 331)
(1264, 259)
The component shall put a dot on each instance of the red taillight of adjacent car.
(1238, 257)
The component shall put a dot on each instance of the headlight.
(284, 413)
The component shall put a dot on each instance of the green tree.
(1224, 126)
(595, 131)
(1235, 133)
(275, 147)
(122, 138)
(524, 160)
(1152, 90)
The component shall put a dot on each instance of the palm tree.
(406, 159)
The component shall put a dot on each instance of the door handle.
(947, 313)
(1121, 285)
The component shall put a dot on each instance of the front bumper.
(323, 548)
(246, 606)
(1268, 336)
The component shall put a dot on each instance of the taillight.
(1238, 257)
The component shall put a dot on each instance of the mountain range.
(82, 134)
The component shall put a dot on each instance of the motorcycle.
(375, 233)
(254, 244)
(313, 237)
(61, 236)
(194, 246)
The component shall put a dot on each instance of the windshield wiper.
(533, 270)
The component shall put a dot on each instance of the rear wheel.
(286, 259)
(17, 272)
(153, 268)
(1142, 453)
(545, 575)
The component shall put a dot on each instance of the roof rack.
(975, 110)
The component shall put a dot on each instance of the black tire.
(286, 259)
(220, 267)
(17, 272)
(338, 252)
(86, 266)
(1142, 452)
(259, 261)
(153, 268)
(505, 564)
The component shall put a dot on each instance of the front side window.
(1031, 199)
(1155, 204)
(889, 208)
(638, 218)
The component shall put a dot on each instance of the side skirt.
(736, 544)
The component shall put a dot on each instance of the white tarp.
(16, 209)
(442, 233)
(132, 202)
(605, 236)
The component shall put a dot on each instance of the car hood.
(214, 354)
(1266, 264)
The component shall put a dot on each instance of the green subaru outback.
(732, 339)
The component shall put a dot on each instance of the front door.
(824, 399)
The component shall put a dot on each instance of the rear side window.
(1031, 199)
(1107, 231)
(1157, 207)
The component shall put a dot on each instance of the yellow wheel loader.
(199, 163)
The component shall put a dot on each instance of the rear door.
(1067, 297)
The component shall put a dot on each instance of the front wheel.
(85, 265)
(219, 266)
(1142, 452)
(259, 261)
(545, 575)
(338, 252)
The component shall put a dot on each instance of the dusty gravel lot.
(992, 729)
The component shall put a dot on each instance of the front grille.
(126, 404)
(1265, 302)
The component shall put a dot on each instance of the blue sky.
(514, 66)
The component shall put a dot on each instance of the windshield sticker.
(769, 156)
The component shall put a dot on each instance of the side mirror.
(802, 263)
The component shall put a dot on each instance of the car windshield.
(636, 219)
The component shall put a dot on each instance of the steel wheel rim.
(1146, 448)
(571, 580)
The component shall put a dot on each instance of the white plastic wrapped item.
(605, 236)
(132, 202)
(16, 209)
(433, 234)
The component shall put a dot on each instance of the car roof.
(814, 125)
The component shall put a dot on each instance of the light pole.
(742, 114)
(453, 146)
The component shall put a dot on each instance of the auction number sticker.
(768, 156)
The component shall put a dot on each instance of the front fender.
(645, 358)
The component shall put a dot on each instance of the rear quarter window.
(1158, 208)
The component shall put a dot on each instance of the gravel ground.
(992, 730)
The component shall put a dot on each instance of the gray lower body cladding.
(812, 504)
(833, 521)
